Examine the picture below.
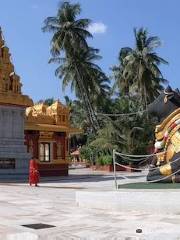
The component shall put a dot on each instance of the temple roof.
(10, 85)
(56, 114)
(53, 118)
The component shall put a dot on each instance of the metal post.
(114, 164)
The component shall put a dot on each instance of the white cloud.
(97, 27)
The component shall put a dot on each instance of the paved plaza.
(53, 203)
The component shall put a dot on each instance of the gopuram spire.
(10, 85)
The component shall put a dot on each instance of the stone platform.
(127, 200)
(14, 158)
(53, 203)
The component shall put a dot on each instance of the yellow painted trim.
(51, 128)
(15, 99)
(45, 127)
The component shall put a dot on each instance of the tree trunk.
(89, 109)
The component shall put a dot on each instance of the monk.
(33, 173)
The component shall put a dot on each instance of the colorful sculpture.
(33, 173)
(165, 166)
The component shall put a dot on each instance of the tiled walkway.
(54, 203)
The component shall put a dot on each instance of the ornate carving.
(168, 137)
(10, 85)
(56, 114)
(162, 128)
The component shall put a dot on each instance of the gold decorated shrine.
(53, 118)
(47, 129)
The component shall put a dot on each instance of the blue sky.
(21, 21)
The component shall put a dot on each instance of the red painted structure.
(54, 163)
(33, 172)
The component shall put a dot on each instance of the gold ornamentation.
(166, 170)
(169, 153)
(10, 85)
(175, 140)
(160, 158)
(56, 114)
(172, 144)
(162, 128)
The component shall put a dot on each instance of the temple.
(47, 133)
(28, 130)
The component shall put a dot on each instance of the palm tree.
(139, 67)
(70, 38)
(69, 33)
(122, 83)
(86, 78)
(95, 81)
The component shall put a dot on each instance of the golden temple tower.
(14, 158)
(10, 85)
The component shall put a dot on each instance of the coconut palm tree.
(70, 41)
(69, 33)
(86, 78)
(122, 83)
(139, 67)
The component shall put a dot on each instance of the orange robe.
(33, 172)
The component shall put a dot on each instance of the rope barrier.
(144, 169)
(157, 180)
(133, 168)
(134, 160)
(137, 156)
(166, 177)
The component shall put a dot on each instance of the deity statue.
(165, 166)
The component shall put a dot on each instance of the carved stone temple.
(28, 130)
(13, 153)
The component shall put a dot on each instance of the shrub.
(104, 160)
(86, 153)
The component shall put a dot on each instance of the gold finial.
(1, 38)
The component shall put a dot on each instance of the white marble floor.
(54, 203)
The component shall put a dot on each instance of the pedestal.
(14, 158)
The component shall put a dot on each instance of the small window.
(44, 151)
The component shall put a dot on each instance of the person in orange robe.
(33, 173)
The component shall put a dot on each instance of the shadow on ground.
(73, 178)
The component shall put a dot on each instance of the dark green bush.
(104, 160)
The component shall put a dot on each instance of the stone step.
(128, 200)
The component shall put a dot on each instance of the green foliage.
(138, 81)
(86, 153)
(76, 59)
(104, 160)
(138, 70)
